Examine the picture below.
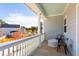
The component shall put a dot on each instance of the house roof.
(9, 26)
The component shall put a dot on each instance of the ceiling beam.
(40, 6)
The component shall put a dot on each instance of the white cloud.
(17, 18)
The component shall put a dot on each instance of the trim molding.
(55, 15)
(77, 5)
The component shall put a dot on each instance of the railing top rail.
(12, 43)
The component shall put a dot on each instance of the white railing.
(22, 47)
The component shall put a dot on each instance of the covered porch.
(54, 19)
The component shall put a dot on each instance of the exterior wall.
(53, 26)
(7, 30)
(78, 29)
(71, 26)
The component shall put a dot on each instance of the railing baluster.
(8, 51)
(17, 50)
(13, 51)
(3, 53)
(0, 53)
(20, 49)
(25, 48)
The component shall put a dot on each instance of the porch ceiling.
(52, 9)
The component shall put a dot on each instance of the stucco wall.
(71, 26)
(53, 26)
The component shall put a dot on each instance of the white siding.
(53, 26)
(71, 26)
(78, 30)
(7, 30)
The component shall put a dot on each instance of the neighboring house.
(7, 28)
(23, 29)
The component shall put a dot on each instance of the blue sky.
(6, 8)
(18, 13)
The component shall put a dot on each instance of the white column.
(77, 30)
(39, 30)
(42, 21)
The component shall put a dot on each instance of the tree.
(2, 22)
(34, 29)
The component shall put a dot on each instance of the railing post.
(39, 28)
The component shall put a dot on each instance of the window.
(65, 26)
(41, 26)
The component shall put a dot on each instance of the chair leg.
(58, 47)
(65, 48)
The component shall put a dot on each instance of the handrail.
(4, 46)
(16, 41)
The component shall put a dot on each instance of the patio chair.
(62, 43)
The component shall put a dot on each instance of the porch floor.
(45, 50)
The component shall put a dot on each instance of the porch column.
(39, 29)
(39, 25)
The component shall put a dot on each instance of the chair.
(61, 43)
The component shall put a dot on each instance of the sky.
(18, 13)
